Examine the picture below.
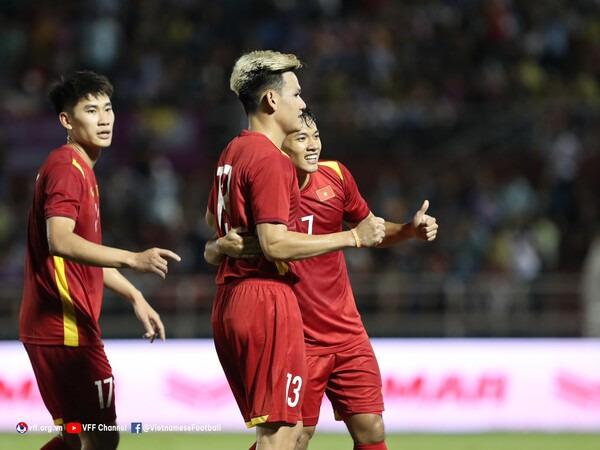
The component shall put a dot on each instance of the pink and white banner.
(430, 385)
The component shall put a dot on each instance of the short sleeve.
(271, 183)
(64, 188)
(355, 206)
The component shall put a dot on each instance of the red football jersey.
(62, 299)
(331, 320)
(254, 183)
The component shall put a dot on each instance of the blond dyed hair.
(257, 71)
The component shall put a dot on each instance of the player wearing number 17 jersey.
(66, 268)
(256, 322)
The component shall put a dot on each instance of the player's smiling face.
(304, 148)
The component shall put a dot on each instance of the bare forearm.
(77, 249)
(290, 246)
(116, 282)
(396, 232)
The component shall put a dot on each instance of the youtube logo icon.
(73, 427)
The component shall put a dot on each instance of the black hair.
(72, 87)
(308, 117)
(259, 80)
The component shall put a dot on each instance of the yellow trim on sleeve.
(76, 164)
(257, 421)
(282, 267)
(335, 166)
(59, 421)
(69, 318)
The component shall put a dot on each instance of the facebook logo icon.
(136, 427)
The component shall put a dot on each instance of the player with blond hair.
(256, 321)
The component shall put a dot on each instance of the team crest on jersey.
(325, 193)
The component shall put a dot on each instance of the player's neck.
(270, 129)
(303, 179)
(89, 155)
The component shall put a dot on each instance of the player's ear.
(65, 120)
(270, 100)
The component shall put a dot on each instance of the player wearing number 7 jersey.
(256, 320)
(66, 267)
(341, 362)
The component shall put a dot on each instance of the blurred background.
(489, 109)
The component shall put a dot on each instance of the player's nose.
(302, 104)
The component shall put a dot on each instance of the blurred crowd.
(488, 108)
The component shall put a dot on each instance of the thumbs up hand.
(425, 226)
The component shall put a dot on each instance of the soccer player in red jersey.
(340, 360)
(67, 266)
(256, 321)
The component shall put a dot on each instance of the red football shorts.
(351, 380)
(258, 336)
(76, 383)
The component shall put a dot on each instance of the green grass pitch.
(222, 441)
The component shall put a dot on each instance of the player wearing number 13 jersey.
(251, 292)
(255, 315)
(256, 321)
